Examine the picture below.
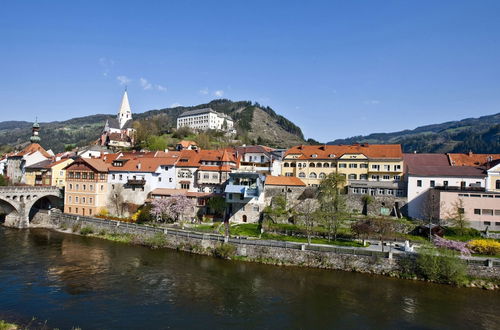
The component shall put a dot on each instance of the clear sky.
(335, 68)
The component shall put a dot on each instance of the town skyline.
(431, 62)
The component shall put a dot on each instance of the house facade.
(245, 198)
(86, 187)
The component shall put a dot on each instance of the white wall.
(417, 196)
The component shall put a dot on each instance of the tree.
(384, 228)
(117, 201)
(367, 200)
(155, 143)
(217, 204)
(203, 141)
(456, 216)
(333, 208)
(3, 181)
(306, 213)
(172, 208)
(278, 210)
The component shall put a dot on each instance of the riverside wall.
(273, 252)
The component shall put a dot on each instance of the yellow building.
(38, 174)
(86, 186)
(493, 178)
(359, 163)
(58, 173)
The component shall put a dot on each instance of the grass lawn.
(486, 255)
(207, 228)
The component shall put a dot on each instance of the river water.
(70, 281)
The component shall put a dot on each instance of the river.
(70, 281)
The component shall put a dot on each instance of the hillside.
(253, 121)
(481, 135)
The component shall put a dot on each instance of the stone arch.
(43, 202)
(9, 212)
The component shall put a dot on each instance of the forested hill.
(481, 135)
(253, 122)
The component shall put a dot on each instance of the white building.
(426, 171)
(118, 132)
(204, 119)
(260, 159)
(140, 176)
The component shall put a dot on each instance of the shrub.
(224, 251)
(103, 213)
(156, 241)
(452, 245)
(76, 227)
(484, 246)
(441, 265)
(86, 231)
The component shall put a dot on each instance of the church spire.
(125, 114)
(35, 138)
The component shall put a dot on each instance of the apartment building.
(86, 186)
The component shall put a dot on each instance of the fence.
(136, 228)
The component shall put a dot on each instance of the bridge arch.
(9, 211)
(40, 205)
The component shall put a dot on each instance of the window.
(69, 199)
(376, 167)
(312, 165)
(322, 175)
(497, 212)
(390, 192)
(387, 167)
(326, 165)
(419, 183)
(363, 165)
(70, 186)
(497, 184)
(301, 175)
(397, 167)
(314, 156)
(215, 176)
(71, 175)
(90, 211)
(61, 173)
(159, 179)
(69, 209)
(256, 208)
(313, 176)
(91, 176)
(487, 223)
(76, 200)
(77, 175)
(477, 211)
(355, 190)
(353, 176)
(353, 165)
(364, 190)
(286, 165)
(375, 177)
(433, 183)
(445, 183)
(102, 176)
(76, 210)
(386, 177)
(363, 177)
(102, 187)
(113, 176)
(77, 186)
(91, 201)
(397, 178)
(318, 164)
(342, 165)
(84, 175)
(184, 185)
(83, 200)
(120, 177)
(91, 187)
(380, 191)
(206, 176)
(84, 187)
(487, 212)
(288, 174)
(230, 196)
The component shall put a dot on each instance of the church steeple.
(125, 114)
(35, 138)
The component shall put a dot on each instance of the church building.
(118, 133)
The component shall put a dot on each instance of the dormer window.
(314, 156)
(331, 155)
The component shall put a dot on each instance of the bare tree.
(117, 201)
(306, 214)
(456, 216)
(333, 208)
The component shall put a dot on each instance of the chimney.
(470, 153)
(139, 165)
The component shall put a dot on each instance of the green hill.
(253, 121)
(481, 135)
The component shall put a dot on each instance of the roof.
(284, 181)
(196, 112)
(179, 192)
(437, 165)
(114, 123)
(96, 163)
(43, 164)
(472, 159)
(31, 149)
(187, 143)
(143, 164)
(392, 151)
(254, 149)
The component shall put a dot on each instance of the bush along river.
(66, 281)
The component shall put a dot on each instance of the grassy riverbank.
(8, 326)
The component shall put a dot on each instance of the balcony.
(136, 182)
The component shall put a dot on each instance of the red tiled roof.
(472, 159)
(30, 149)
(437, 165)
(187, 143)
(283, 181)
(143, 164)
(392, 151)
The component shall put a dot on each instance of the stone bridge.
(19, 205)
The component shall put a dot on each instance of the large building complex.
(204, 119)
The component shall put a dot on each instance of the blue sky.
(335, 68)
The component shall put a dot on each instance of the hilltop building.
(204, 119)
(119, 133)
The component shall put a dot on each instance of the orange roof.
(143, 164)
(96, 163)
(392, 151)
(187, 143)
(32, 148)
(283, 181)
(60, 161)
(472, 159)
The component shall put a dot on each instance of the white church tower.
(125, 114)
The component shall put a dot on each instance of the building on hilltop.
(204, 119)
(118, 132)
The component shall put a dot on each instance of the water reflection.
(92, 283)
